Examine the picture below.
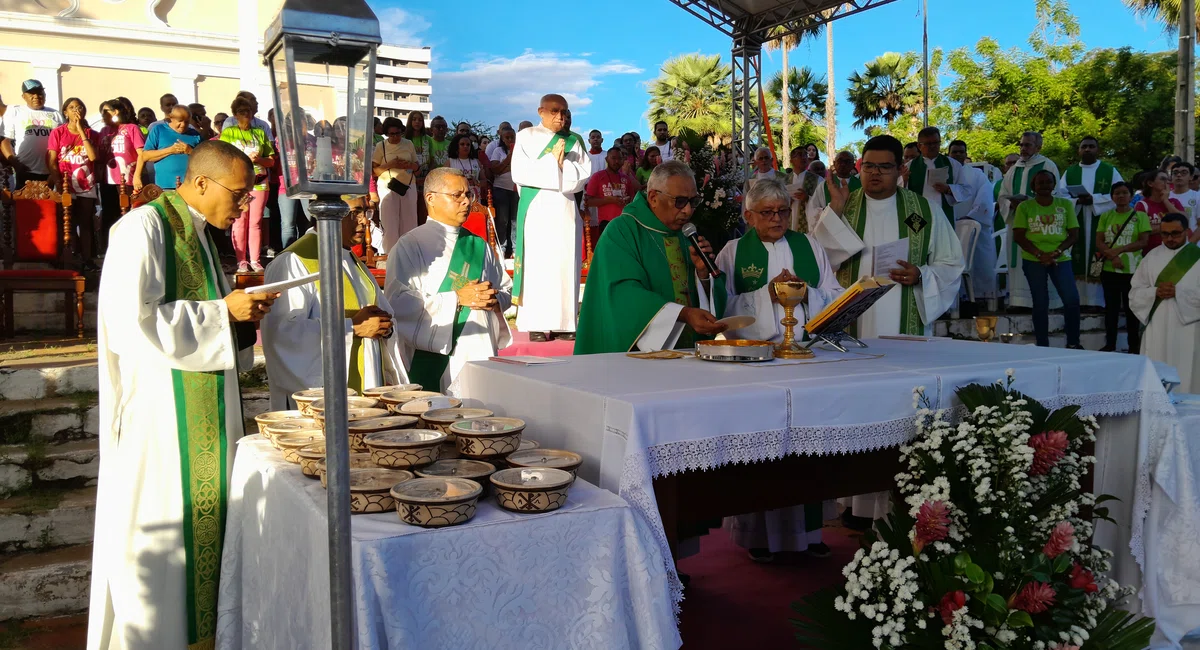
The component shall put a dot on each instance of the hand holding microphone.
(701, 253)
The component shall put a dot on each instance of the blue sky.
(491, 61)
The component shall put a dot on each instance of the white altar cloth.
(635, 419)
(588, 575)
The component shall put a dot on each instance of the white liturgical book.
(884, 256)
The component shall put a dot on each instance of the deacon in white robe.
(843, 168)
(1013, 189)
(937, 177)
(291, 333)
(975, 202)
(447, 288)
(550, 167)
(934, 281)
(1096, 178)
(172, 338)
(1172, 333)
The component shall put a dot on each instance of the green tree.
(889, 87)
(692, 92)
(784, 38)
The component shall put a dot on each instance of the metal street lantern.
(321, 55)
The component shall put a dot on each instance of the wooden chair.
(36, 230)
(147, 194)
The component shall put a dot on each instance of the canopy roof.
(755, 18)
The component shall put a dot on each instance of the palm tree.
(1164, 11)
(886, 89)
(784, 38)
(807, 92)
(831, 96)
(692, 92)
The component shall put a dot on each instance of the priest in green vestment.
(647, 287)
(171, 338)
(1089, 182)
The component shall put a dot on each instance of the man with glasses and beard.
(650, 288)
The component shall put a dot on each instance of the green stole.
(915, 221)
(200, 426)
(854, 184)
(428, 367)
(305, 249)
(750, 261)
(916, 180)
(1174, 271)
(1080, 257)
(1018, 187)
(526, 198)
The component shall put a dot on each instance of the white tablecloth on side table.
(635, 419)
(589, 575)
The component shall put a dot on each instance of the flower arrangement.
(719, 211)
(990, 548)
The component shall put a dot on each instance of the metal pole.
(925, 49)
(1185, 94)
(329, 212)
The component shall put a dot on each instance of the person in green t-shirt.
(256, 144)
(1121, 235)
(1046, 229)
(651, 160)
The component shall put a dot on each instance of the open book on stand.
(830, 325)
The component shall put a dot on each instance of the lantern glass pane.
(331, 88)
(292, 147)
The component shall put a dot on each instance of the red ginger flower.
(1083, 579)
(1035, 598)
(1061, 540)
(933, 524)
(1048, 448)
(951, 602)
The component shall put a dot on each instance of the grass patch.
(13, 635)
(34, 499)
(254, 379)
(16, 429)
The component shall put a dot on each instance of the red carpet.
(736, 603)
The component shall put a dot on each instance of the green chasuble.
(305, 249)
(854, 183)
(916, 180)
(639, 266)
(200, 427)
(1173, 272)
(526, 197)
(1081, 252)
(466, 265)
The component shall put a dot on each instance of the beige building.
(199, 51)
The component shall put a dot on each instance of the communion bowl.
(263, 419)
(404, 448)
(305, 398)
(567, 461)
(488, 438)
(357, 461)
(371, 489)
(437, 501)
(531, 489)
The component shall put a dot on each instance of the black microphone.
(689, 231)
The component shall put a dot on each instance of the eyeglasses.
(681, 201)
(241, 197)
(392, 134)
(878, 168)
(775, 214)
(1172, 233)
(458, 196)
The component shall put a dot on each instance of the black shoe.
(1109, 348)
(819, 550)
(855, 523)
(762, 555)
(1075, 347)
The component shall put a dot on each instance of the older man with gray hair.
(447, 288)
(1015, 188)
(648, 288)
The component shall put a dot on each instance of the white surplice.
(1173, 335)
(291, 333)
(1018, 286)
(138, 592)
(553, 231)
(975, 202)
(1091, 294)
(425, 315)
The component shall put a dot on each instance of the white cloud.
(400, 27)
(496, 89)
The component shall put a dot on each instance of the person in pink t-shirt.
(1156, 202)
(121, 142)
(71, 153)
(609, 190)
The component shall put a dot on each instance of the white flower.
(1009, 373)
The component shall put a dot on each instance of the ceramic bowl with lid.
(487, 438)
(371, 489)
(310, 455)
(297, 425)
(290, 443)
(423, 404)
(536, 489)
(392, 400)
(360, 428)
(567, 461)
(404, 448)
(436, 502)
(317, 407)
(263, 419)
(379, 391)
(305, 398)
(441, 419)
(355, 414)
(476, 470)
(357, 461)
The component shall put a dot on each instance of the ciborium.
(985, 327)
(790, 294)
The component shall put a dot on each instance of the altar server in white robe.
(942, 191)
(977, 203)
(172, 338)
(1015, 188)
(1165, 294)
(768, 253)
(551, 165)
(1096, 177)
(883, 212)
(447, 288)
(291, 334)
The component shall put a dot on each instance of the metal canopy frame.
(748, 23)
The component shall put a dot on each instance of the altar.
(640, 423)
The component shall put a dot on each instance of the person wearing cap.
(27, 132)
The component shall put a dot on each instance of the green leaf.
(1062, 563)
(822, 627)
(996, 602)
(1040, 576)
(961, 561)
(1103, 498)
(974, 573)
(1018, 618)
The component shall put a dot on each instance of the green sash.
(916, 180)
(528, 194)
(1174, 271)
(428, 367)
(305, 249)
(1014, 252)
(200, 427)
(915, 221)
(1080, 252)
(854, 184)
(750, 262)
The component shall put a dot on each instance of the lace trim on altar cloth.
(643, 466)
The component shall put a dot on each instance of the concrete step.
(35, 377)
(50, 583)
(47, 519)
(42, 311)
(54, 418)
(1018, 323)
(42, 464)
(51, 633)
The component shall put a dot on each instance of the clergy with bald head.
(551, 164)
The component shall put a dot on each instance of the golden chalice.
(790, 294)
(985, 327)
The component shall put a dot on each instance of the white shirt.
(665, 150)
(497, 154)
(599, 160)
(30, 130)
(1190, 200)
